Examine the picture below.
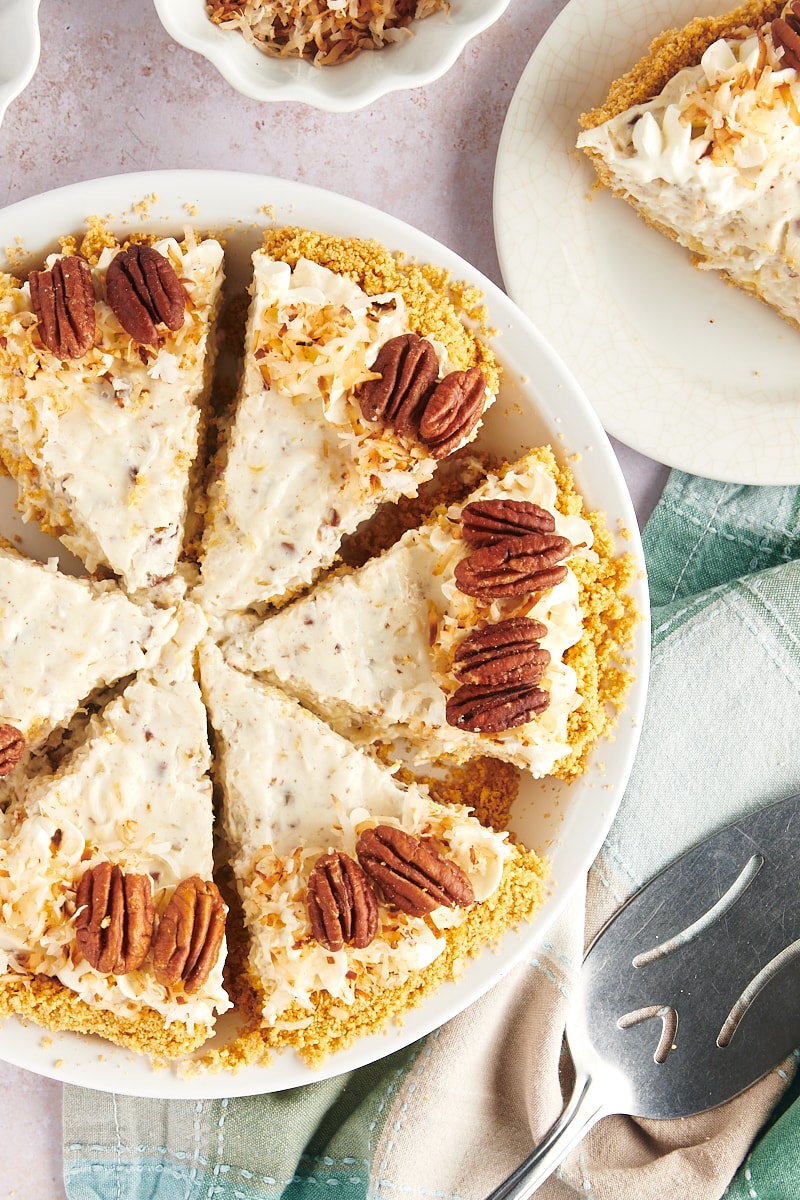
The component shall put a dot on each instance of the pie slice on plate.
(110, 921)
(702, 138)
(105, 374)
(314, 446)
(360, 893)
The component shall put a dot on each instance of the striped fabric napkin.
(451, 1116)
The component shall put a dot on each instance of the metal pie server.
(689, 994)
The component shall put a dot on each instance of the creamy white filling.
(293, 789)
(371, 651)
(303, 467)
(716, 159)
(112, 437)
(136, 793)
(61, 638)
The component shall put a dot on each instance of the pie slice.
(313, 447)
(360, 894)
(63, 638)
(109, 920)
(103, 405)
(702, 138)
(379, 652)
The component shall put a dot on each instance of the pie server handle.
(587, 1104)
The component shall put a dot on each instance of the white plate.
(435, 44)
(679, 365)
(20, 46)
(539, 402)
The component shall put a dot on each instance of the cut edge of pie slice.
(378, 651)
(62, 638)
(298, 799)
(305, 457)
(701, 138)
(104, 436)
(111, 922)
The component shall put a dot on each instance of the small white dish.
(431, 50)
(680, 366)
(20, 46)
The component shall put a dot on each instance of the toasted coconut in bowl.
(322, 52)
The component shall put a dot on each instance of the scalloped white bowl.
(20, 46)
(431, 50)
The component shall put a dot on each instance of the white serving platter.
(539, 402)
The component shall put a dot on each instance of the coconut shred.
(325, 32)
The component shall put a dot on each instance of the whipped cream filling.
(293, 790)
(299, 449)
(371, 650)
(715, 158)
(136, 793)
(61, 638)
(103, 445)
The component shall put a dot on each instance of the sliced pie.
(453, 639)
(358, 377)
(104, 379)
(110, 920)
(702, 138)
(360, 894)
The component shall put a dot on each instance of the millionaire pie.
(237, 767)
(702, 138)
(428, 641)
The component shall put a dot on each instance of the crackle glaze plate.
(678, 364)
(539, 402)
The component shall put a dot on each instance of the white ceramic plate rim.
(539, 401)
(679, 365)
(20, 46)
(436, 43)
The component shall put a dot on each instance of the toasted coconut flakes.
(325, 32)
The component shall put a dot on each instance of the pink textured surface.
(114, 94)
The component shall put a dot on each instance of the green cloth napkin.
(450, 1116)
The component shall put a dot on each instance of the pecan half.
(412, 875)
(484, 522)
(189, 936)
(408, 369)
(144, 291)
(12, 747)
(786, 36)
(452, 411)
(342, 906)
(115, 916)
(63, 301)
(488, 709)
(514, 566)
(508, 652)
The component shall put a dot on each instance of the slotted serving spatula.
(690, 993)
